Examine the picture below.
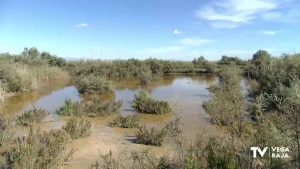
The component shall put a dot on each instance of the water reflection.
(20, 102)
(185, 93)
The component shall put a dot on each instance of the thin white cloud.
(181, 46)
(82, 25)
(177, 32)
(192, 42)
(233, 13)
(269, 32)
(289, 15)
(271, 16)
(164, 50)
(226, 25)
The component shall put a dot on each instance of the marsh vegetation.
(78, 127)
(130, 121)
(144, 103)
(268, 115)
(32, 116)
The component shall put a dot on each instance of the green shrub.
(78, 127)
(147, 160)
(144, 103)
(39, 150)
(6, 130)
(226, 105)
(145, 77)
(93, 108)
(150, 136)
(71, 109)
(32, 116)
(220, 155)
(106, 161)
(130, 121)
(92, 84)
(96, 107)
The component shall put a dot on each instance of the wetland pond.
(186, 93)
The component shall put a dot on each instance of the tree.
(25, 52)
(226, 60)
(202, 63)
(199, 60)
(260, 56)
(33, 52)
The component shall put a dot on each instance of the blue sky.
(166, 29)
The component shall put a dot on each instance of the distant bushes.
(38, 150)
(24, 72)
(137, 69)
(32, 116)
(32, 56)
(93, 108)
(144, 103)
(16, 78)
(130, 121)
(204, 66)
(145, 77)
(92, 84)
(6, 130)
(78, 127)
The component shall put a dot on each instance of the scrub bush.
(32, 116)
(144, 103)
(6, 130)
(38, 150)
(150, 136)
(130, 121)
(78, 127)
(92, 84)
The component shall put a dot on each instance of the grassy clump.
(136, 160)
(39, 150)
(92, 84)
(130, 121)
(21, 77)
(106, 161)
(78, 127)
(16, 77)
(94, 108)
(150, 136)
(145, 77)
(32, 116)
(2, 92)
(144, 103)
(98, 108)
(6, 130)
(71, 108)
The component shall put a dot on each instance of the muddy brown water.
(185, 93)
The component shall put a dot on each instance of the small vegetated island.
(269, 116)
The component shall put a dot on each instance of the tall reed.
(6, 130)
